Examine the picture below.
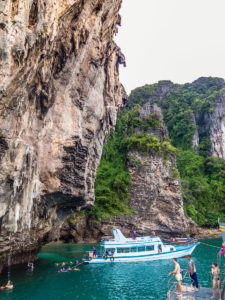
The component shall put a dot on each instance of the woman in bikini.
(216, 280)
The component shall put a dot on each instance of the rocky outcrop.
(217, 127)
(155, 196)
(60, 94)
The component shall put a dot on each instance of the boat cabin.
(123, 246)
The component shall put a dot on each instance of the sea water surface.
(116, 281)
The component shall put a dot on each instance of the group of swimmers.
(71, 267)
(215, 271)
(8, 286)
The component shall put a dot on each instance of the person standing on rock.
(192, 270)
(178, 276)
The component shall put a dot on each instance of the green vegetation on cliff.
(113, 180)
(184, 109)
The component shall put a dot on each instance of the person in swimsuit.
(216, 280)
(223, 252)
(9, 285)
(94, 251)
(178, 276)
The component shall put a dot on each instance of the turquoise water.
(136, 281)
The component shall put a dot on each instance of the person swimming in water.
(62, 270)
(2, 287)
(30, 266)
(9, 285)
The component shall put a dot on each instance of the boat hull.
(179, 252)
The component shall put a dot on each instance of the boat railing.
(180, 242)
(172, 285)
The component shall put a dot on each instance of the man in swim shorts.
(178, 276)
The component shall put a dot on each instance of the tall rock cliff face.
(155, 195)
(211, 123)
(60, 94)
(217, 127)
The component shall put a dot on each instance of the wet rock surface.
(60, 95)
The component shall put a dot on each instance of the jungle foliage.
(185, 108)
(202, 176)
(113, 180)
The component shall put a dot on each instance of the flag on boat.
(222, 229)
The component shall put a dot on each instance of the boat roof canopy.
(120, 241)
(118, 236)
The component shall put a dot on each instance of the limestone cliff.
(155, 195)
(217, 127)
(60, 94)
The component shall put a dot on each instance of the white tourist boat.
(122, 249)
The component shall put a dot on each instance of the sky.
(177, 40)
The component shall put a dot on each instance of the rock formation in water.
(155, 195)
(195, 117)
(60, 94)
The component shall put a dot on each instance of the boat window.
(122, 250)
(133, 249)
(150, 248)
(140, 249)
(110, 251)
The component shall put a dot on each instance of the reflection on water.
(136, 281)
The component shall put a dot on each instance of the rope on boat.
(210, 245)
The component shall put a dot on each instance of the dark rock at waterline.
(60, 94)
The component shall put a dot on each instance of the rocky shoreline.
(24, 257)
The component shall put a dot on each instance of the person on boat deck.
(134, 233)
(153, 233)
(94, 251)
(216, 280)
(223, 252)
(178, 276)
(192, 270)
(9, 285)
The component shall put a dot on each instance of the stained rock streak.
(60, 94)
